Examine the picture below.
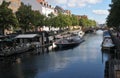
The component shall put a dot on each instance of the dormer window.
(41, 3)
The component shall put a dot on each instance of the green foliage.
(75, 20)
(51, 15)
(113, 18)
(61, 21)
(85, 22)
(91, 23)
(49, 21)
(38, 19)
(67, 20)
(25, 17)
(7, 18)
(56, 22)
(64, 20)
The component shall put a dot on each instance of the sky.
(95, 9)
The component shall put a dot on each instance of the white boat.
(81, 33)
(52, 46)
(107, 43)
(78, 32)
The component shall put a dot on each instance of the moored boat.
(107, 43)
(69, 42)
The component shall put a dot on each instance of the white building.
(41, 6)
(46, 10)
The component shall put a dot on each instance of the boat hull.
(68, 45)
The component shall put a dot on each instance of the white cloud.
(71, 4)
(61, 1)
(81, 4)
(64, 6)
(93, 1)
(57, 1)
(74, 3)
(100, 12)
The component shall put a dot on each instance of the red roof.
(40, 1)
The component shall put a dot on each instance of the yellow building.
(14, 5)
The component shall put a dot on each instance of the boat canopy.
(107, 36)
(27, 36)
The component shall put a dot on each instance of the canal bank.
(112, 65)
(83, 61)
(115, 40)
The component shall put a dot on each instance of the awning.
(27, 36)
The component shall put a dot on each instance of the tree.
(38, 19)
(7, 18)
(55, 22)
(51, 15)
(62, 21)
(91, 23)
(49, 21)
(25, 17)
(84, 22)
(113, 18)
(68, 21)
(74, 20)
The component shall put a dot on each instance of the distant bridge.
(90, 30)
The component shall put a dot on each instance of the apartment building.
(45, 8)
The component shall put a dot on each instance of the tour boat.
(69, 42)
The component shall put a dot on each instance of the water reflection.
(10, 67)
(65, 48)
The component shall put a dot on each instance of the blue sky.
(94, 9)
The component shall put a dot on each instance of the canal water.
(83, 61)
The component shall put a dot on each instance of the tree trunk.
(2, 31)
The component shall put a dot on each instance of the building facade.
(67, 12)
(45, 8)
(82, 16)
(14, 4)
